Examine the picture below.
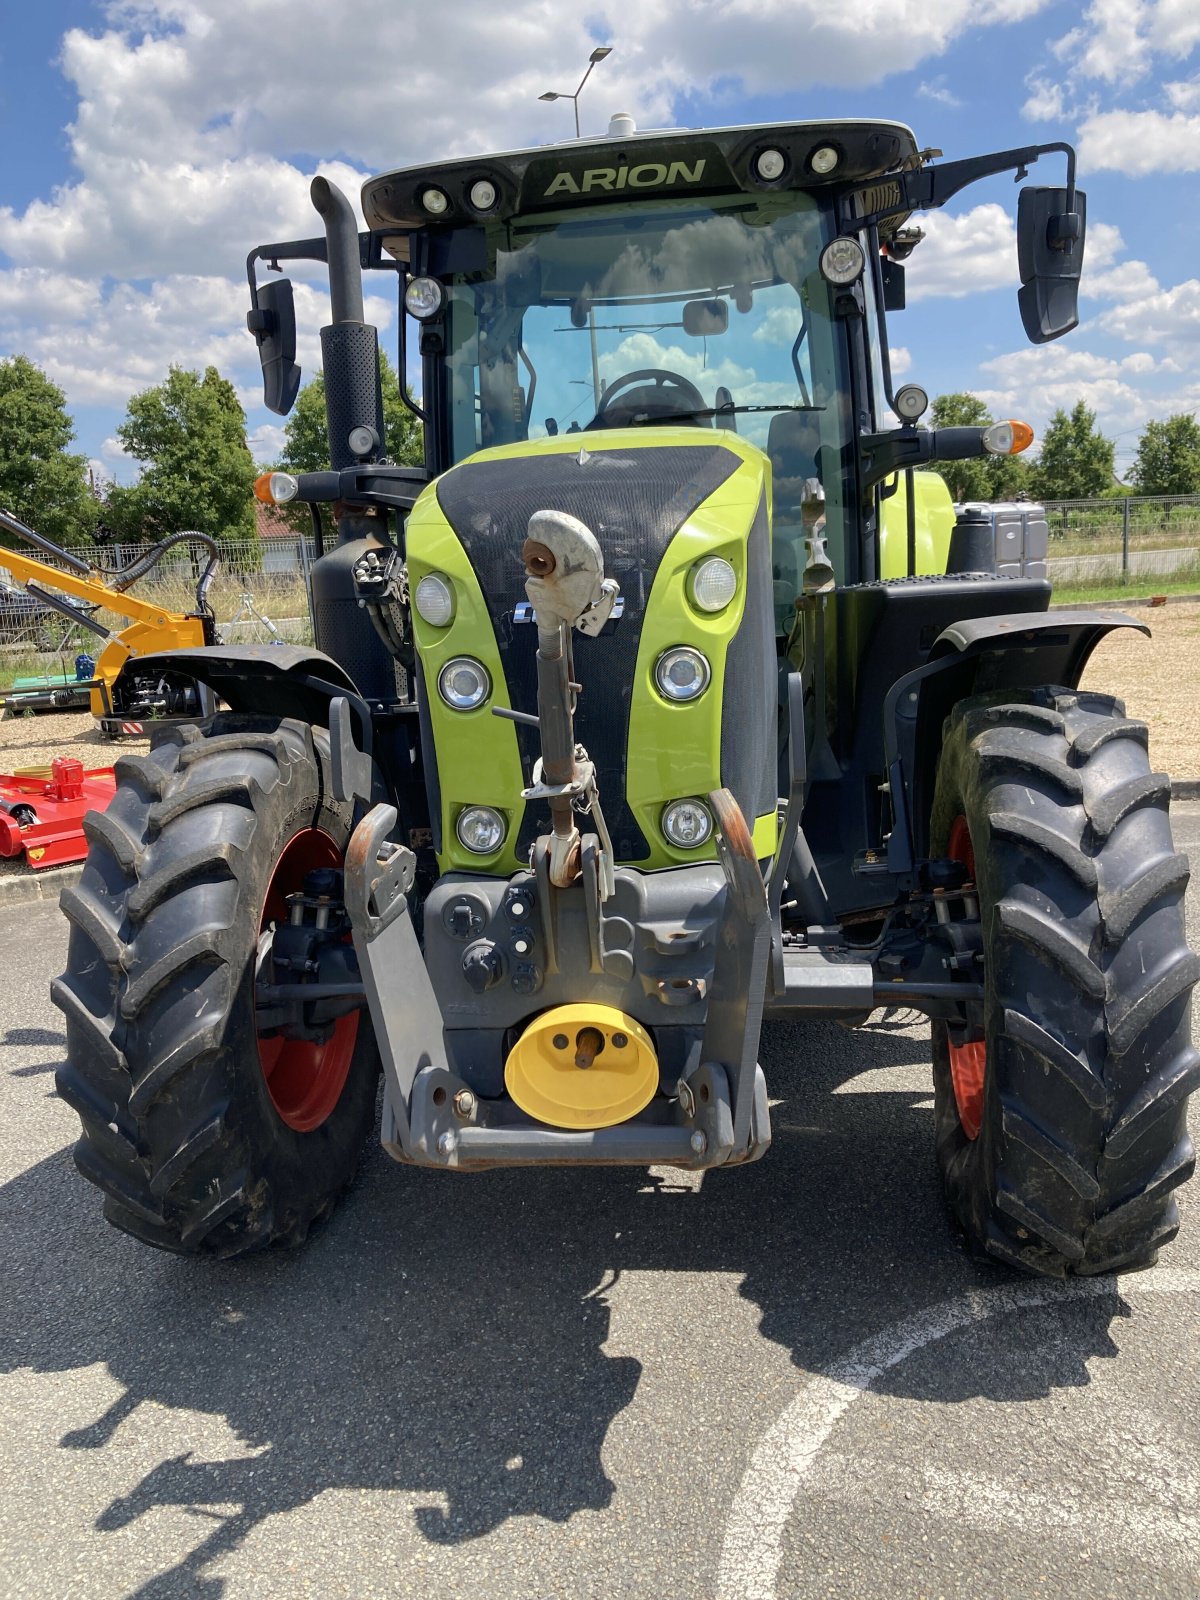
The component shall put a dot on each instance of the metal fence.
(1124, 537)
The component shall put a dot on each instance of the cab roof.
(692, 162)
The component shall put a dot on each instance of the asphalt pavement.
(785, 1380)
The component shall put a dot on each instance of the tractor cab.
(650, 281)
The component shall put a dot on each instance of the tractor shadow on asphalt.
(445, 1336)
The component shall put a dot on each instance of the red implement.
(42, 810)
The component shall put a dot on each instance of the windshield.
(711, 315)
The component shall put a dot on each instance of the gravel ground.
(1158, 679)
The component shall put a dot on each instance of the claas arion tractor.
(668, 697)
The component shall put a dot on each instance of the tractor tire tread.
(178, 1130)
(1087, 999)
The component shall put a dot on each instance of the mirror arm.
(901, 449)
(928, 187)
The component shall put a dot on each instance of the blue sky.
(145, 146)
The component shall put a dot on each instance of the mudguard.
(269, 680)
(1021, 650)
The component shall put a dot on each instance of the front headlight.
(423, 298)
(480, 830)
(712, 584)
(464, 683)
(842, 261)
(682, 673)
(434, 599)
(687, 824)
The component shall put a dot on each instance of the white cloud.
(266, 442)
(901, 360)
(964, 254)
(1140, 142)
(1046, 101)
(101, 347)
(937, 90)
(1171, 317)
(1132, 280)
(1117, 40)
(1184, 96)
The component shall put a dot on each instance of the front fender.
(267, 680)
(1022, 650)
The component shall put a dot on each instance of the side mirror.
(1050, 256)
(273, 323)
(703, 318)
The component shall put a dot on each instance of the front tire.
(204, 1138)
(1061, 1108)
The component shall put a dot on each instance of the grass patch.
(1136, 589)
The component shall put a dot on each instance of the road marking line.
(771, 1484)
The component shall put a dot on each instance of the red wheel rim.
(968, 1062)
(304, 1079)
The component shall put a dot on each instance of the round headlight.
(911, 402)
(423, 298)
(824, 159)
(770, 165)
(464, 684)
(362, 441)
(483, 195)
(682, 673)
(687, 824)
(842, 261)
(435, 202)
(712, 584)
(480, 829)
(434, 599)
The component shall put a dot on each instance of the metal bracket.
(404, 1010)
(353, 773)
(736, 994)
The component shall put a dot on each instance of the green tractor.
(668, 697)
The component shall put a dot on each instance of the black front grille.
(634, 501)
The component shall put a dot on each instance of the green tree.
(190, 434)
(986, 477)
(1168, 457)
(306, 438)
(41, 481)
(1076, 462)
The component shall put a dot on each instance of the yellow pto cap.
(582, 1066)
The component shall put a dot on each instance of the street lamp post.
(597, 55)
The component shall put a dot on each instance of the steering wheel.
(662, 393)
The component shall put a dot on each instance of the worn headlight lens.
(434, 599)
(712, 584)
(423, 298)
(464, 684)
(687, 824)
(435, 202)
(480, 829)
(483, 195)
(824, 159)
(682, 673)
(770, 165)
(842, 261)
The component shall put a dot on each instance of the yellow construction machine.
(119, 707)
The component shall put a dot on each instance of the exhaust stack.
(350, 345)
